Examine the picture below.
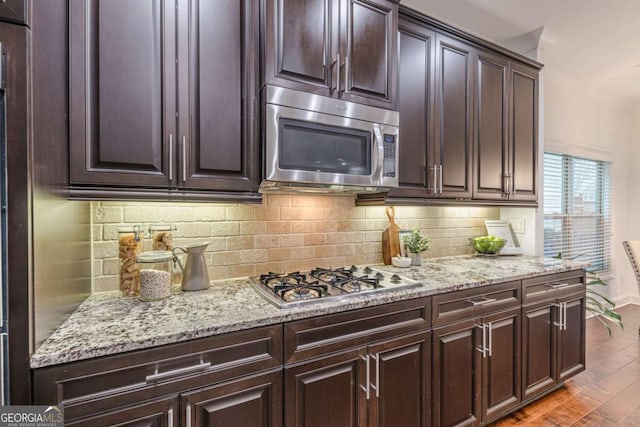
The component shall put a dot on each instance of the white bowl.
(401, 261)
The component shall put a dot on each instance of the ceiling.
(595, 41)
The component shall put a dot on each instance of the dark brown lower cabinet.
(161, 413)
(476, 374)
(327, 391)
(553, 343)
(383, 384)
(250, 402)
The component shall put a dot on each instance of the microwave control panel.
(389, 164)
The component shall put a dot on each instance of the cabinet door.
(490, 130)
(252, 402)
(539, 335)
(457, 364)
(162, 413)
(501, 390)
(327, 392)
(14, 11)
(523, 134)
(571, 340)
(454, 115)
(218, 48)
(400, 369)
(416, 105)
(368, 49)
(299, 36)
(122, 91)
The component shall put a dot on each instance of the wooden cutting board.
(390, 237)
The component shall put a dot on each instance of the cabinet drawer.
(319, 336)
(552, 286)
(97, 385)
(460, 305)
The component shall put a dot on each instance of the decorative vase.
(416, 259)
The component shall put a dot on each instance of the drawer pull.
(177, 372)
(558, 285)
(481, 301)
(368, 376)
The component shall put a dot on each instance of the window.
(577, 209)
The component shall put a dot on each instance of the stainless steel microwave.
(317, 143)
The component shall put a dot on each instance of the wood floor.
(606, 394)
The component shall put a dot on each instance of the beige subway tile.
(242, 270)
(375, 212)
(373, 236)
(217, 244)
(303, 226)
(336, 238)
(266, 241)
(345, 225)
(262, 213)
(335, 261)
(345, 250)
(218, 272)
(368, 248)
(105, 283)
(372, 259)
(346, 202)
(265, 267)
(363, 225)
(325, 201)
(225, 228)
(109, 232)
(194, 229)
(278, 254)
(224, 258)
(326, 226)
(303, 252)
(315, 239)
(341, 213)
(110, 266)
(105, 214)
(139, 215)
(278, 200)
(240, 213)
(251, 255)
(302, 213)
(253, 228)
(356, 237)
(278, 227)
(96, 232)
(355, 260)
(291, 240)
(103, 250)
(303, 200)
(325, 251)
(240, 242)
(96, 268)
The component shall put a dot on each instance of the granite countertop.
(108, 324)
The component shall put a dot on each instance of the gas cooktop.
(295, 289)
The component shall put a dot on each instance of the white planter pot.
(416, 259)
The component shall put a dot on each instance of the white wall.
(583, 120)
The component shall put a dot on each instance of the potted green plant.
(416, 244)
(601, 307)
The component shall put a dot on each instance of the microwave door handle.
(380, 155)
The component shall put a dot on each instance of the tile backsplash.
(285, 233)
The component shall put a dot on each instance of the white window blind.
(577, 209)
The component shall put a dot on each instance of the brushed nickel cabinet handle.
(378, 375)
(435, 179)
(368, 377)
(187, 411)
(490, 333)
(170, 418)
(338, 72)
(483, 348)
(177, 372)
(170, 157)
(440, 179)
(346, 73)
(184, 158)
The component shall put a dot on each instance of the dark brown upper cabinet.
(122, 93)
(162, 98)
(453, 123)
(416, 101)
(490, 173)
(523, 132)
(340, 48)
(16, 11)
(218, 146)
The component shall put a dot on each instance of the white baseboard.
(627, 299)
